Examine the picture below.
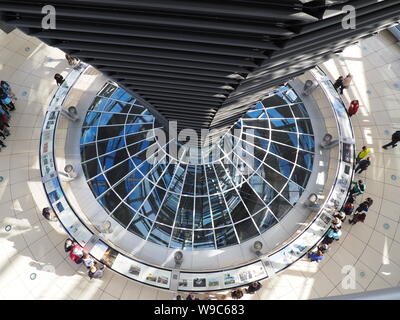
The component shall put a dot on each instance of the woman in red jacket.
(353, 108)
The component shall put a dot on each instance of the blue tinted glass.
(306, 142)
(88, 135)
(204, 239)
(181, 239)
(160, 234)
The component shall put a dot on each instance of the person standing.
(59, 79)
(358, 188)
(316, 256)
(363, 153)
(395, 139)
(6, 100)
(253, 287)
(76, 253)
(361, 210)
(353, 108)
(363, 165)
(332, 235)
(96, 272)
(346, 82)
(338, 83)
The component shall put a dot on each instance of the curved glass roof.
(211, 198)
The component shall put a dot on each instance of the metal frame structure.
(197, 62)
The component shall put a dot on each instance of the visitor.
(237, 294)
(3, 127)
(362, 154)
(353, 108)
(6, 100)
(190, 297)
(358, 188)
(72, 61)
(331, 236)
(340, 215)
(76, 253)
(395, 140)
(87, 260)
(361, 210)
(346, 82)
(363, 165)
(336, 224)
(68, 245)
(59, 79)
(178, 297)
(7, 88)
(253, 287)
(46, 213)
(96, 272)
(323, 247)
(316, 256)
(348, 208)
(338, 83)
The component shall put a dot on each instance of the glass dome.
(218, 196)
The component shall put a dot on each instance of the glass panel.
(220, 212)
(204, 239)
(280, 112)
(283, 151)
(137, 196)
(306, 142)
(253, 203)
(181, 239)
(109, 200)
(91, 168)
(280, 207)
(305, 126)
(301, 176)
(246, 230)
(98, 185)
(280, 165)
(305, 159)
(300, 111)
(109, 132)
(88, 135)
(92, 119)
(168, 209)
(292, 192)
(184, 218)
(115, 174)
(160, 234)
(225, 237)
(264, 220)
(285, 138)
(123, 214)
(110, 145)
(140, 226)
(108, 119)
(202, 217)
(88, 151)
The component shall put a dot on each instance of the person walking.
(361, 210)
(338, 83)
(353, 108)
(365, 151)
(363, 165)
(59, 79)
(395, 140)
(346, 82)
(358, 188)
